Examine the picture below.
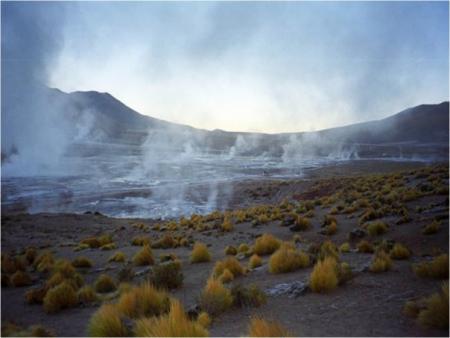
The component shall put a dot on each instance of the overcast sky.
(269, 67)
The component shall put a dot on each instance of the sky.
(239, 66)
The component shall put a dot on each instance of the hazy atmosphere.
(225, 169)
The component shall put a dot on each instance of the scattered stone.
(293, 289)
(193, 311)
(357, 233)
(288, 220)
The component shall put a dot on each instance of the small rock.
(293, 290)
(288, 220)
(357, 233)
(193, 311)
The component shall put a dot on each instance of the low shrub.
(91, 242)
(431, 228)
(87, 295)
(167, 275)
(143, 301)
(226, 276)
(248, 296)
(200, 253)
(230, 263)
(381, 262)
(118, 257)
(266, 244)
(144, 256)
(166, 242)
(328, 249)
(36, 295)
(107, 322)
(60, 297)
(287, 259)
(104, 284)
(227, 225)
(215, 298)
(255, 261)
(230, 250)
(82, 262)
(20, 278)
(173, 324)
(345, 247)
(365, 247)
(243, 248)
(44, 262)
(437, 268)
(262, 328)
(141, 241)
(204, 319)
(399, 251)
(377, 228)
(324, 276)
(435, 312)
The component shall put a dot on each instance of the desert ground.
(385, 226)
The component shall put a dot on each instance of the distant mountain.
(99, 117)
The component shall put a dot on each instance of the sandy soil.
(368, 305)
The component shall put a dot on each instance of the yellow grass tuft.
(381, 262)
(167, 275)
(287, 259)
(204, 319)
(227, 225)
(324, 276)
(411, 309)
(144, 256)
(266, 244)
(262, 328)
(432, 228)
(200, 253)
(435, 313)
(243, 248)
(230, 250)
(143, 301)
(82, 262)
(36, 295)
(345, 247)
(60, 297)
(215, 298)
(87, 295)
(92, 242)
(118, 257)
(20, 278)
(255, 261)
(230, 263)
(399, 251)
(173, 324)
(104, 284)
(141, 241)
(437, 268)
(377, 228)
(30, 254)
(226, 276)
(44, 262)
(107, 322)
(365, 246)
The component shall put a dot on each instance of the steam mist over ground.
(87, 151)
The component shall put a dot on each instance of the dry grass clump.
(254, 261)
(118, 257)
(10, 329)
(262, 328)
(328, 249)
(200, 253)
(44, 262)
(215, 297)
(411, 309)
(286, 259)
(166, 242)
(243, 248)
(82, 262)
(324, 276)
(226, 276)
(330, 229)
(227, 225)
(365, 247)
(20, 278)
(87, 295)
(167, 275)
(399, 251)
(204, 319)
(248, 296)
(107, 322)
(144, 256)
(230, 263)
(8, 264)
(345, 247)
(104, 284)
(230, 250)
(302, 223)
(141, 241)
(173, 324)
(266, 244)
(63, 271)
(437, 268)
(60, 297)
(143, 301)
(432, 228)
(91, 242)
(381, 262)
(36, 295)
(31, 254)
(435, 312)
(377, 228)
(109, 246)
